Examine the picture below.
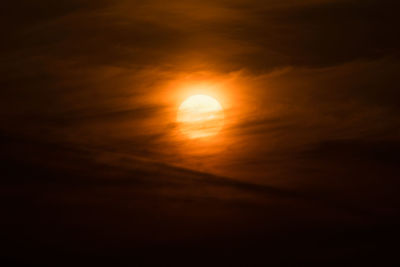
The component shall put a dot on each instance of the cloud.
(298, 74)
(91, 155)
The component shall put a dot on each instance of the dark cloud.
(93, 159)
(383, 152)
(321, 34)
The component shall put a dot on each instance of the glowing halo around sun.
(200, 116)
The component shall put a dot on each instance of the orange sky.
(90, 92)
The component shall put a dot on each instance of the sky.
(94, 163)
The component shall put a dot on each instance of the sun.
(200, 116)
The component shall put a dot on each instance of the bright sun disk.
(200, 116)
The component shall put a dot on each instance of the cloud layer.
(89, 91)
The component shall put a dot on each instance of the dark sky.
(305, 171)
